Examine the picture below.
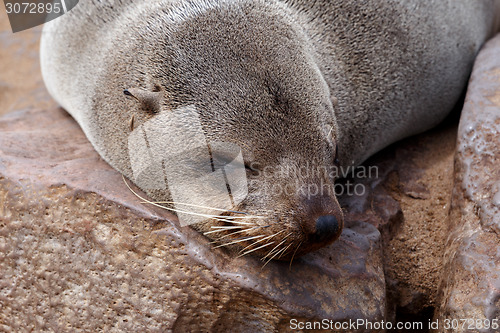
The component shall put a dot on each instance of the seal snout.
(321, 224)
(327, 227)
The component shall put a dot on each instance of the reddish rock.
(470, 288)
(79, 251)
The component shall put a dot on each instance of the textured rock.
(79, 251)
(470, 289)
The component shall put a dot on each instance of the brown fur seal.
(291, 83)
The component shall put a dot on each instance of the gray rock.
(470, 288)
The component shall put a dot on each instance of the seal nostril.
(327, 227)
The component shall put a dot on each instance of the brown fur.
(269, 76)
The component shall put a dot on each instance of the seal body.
(291, 83)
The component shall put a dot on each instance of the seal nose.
(327, 227)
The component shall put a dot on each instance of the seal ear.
(150, 100)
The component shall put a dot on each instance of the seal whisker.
(220, 218)
(285, 249)
(226, 227)
(222, 229)
(218, 240)
(242, 217)
(216, 231)
(279, 232)
(258, 248)
(198, 206)
(239, 222)
(274, 256)
(156, 203)
(229, 227)
(217, 218)
(291, 260)
(236, 232)
(239, 241)
(271, 252)
(263, 239)
(213, 232)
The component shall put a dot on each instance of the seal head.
(253, 84)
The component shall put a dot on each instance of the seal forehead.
(186, 11)
(244, 70)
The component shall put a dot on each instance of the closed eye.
(250, 167)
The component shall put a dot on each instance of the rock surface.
(470, 289)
